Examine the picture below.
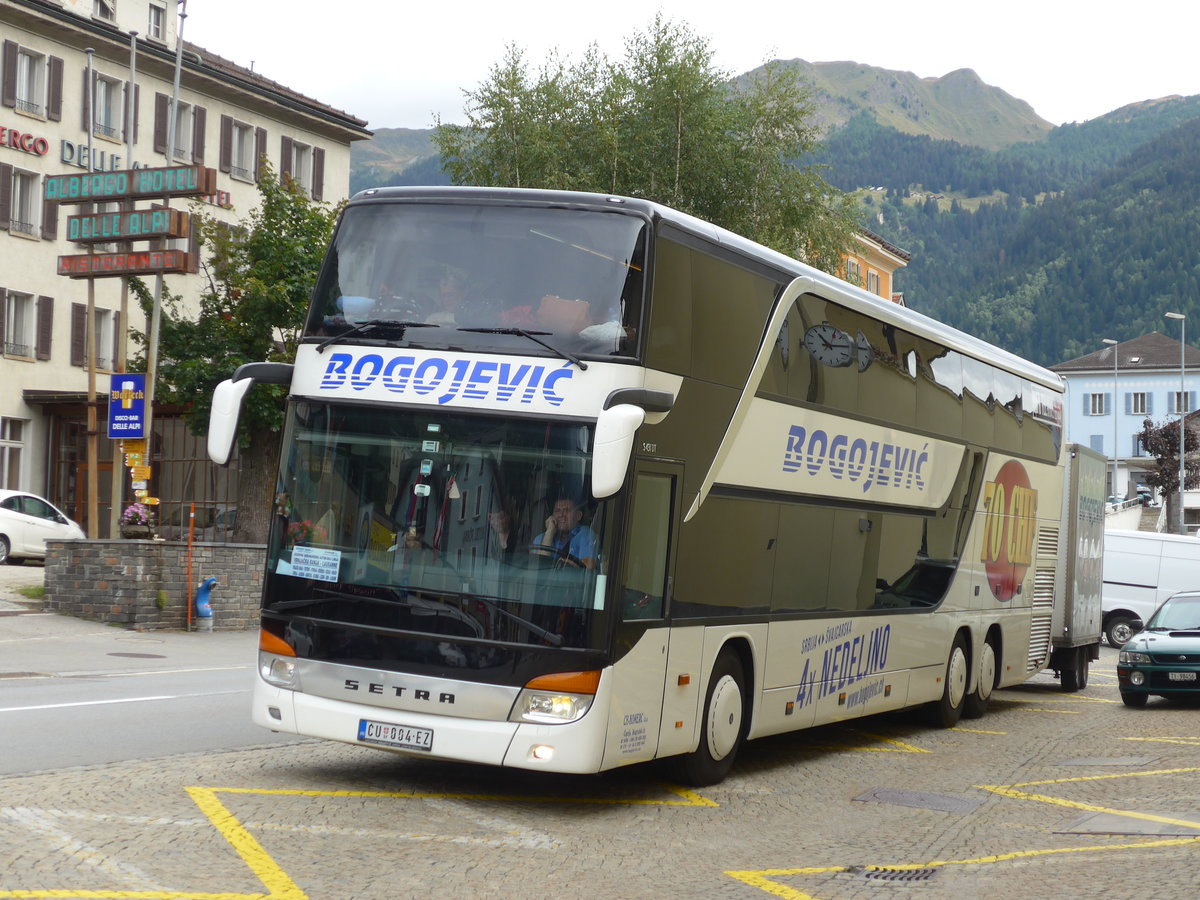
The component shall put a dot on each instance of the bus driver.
(566, 536)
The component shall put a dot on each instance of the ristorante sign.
(139, 262)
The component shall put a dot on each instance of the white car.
(27, 522)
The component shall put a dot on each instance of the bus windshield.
(482, 277)
(461, 526)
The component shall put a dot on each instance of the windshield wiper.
(389, 324)
(532, 627)
(532, 335)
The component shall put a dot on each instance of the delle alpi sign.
(127, 226)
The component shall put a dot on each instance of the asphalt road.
(76, 693)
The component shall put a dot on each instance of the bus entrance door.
(642, 635)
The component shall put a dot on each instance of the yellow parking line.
(1090, 807)
(761, 878)
(281, 887)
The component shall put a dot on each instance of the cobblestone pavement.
(1049, 794)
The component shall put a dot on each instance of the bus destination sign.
(166, 181)
(141, 262)
(126, 226)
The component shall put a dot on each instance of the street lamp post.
(1114, 345)
(1182, 346)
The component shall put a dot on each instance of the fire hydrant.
(204, 612)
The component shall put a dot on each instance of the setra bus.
(574, 481)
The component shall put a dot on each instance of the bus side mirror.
(223, 418)
(227, 404)
(615, 428)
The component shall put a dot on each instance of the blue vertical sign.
(127, 406)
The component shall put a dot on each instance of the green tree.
(261, 273)
(663, 124)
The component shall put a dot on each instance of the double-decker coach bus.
(575, 481)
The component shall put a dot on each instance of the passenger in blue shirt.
(566, 535)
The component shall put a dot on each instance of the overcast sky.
(400, 64)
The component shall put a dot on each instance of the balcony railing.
(22, 227)
(29, 106)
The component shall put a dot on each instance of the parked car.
(27, 521)
(1164, 657)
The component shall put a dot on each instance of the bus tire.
(946, 712)
(976, 703)
(722, 727)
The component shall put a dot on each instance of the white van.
(1141, 570)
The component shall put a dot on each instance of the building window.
(1137, 404)
(302, 165)
(1181, 402)
(1096, 404)
(31, 84)
(873, 282)
(105, 9)
(19, 319)
(853, 271)
(183, 133)
(26, 202)
(242, 161)
(103, 324)
(154, 30)
(108, 107)
(1096, 442)
(12, 436)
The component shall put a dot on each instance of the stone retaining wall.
(141, 584)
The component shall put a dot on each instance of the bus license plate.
(389, 735)
(1181, 676)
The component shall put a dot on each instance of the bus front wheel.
(946, 712)
(722, 727)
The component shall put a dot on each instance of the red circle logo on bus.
(1009, 524)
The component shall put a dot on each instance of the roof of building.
(231, 69)
(1153, 351)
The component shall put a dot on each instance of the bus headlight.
(556, 699)
(1130, 657)
(277, 670)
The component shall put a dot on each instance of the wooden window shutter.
(55, 92)
(260, 151)
(3, 313)
(318, 174)
(78, 334)
(5, 194)
(116, 347)
(194, 245)
(45, 326)
(162, 112)
(285, 157)
(199, 119)
(225, 154)
(8, 82)
(49, 220)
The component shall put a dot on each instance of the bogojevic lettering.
(855, 459)
(468, 379)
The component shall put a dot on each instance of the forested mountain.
(1049, 281)
(1042, 240)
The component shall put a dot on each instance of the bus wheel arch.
(987, 674)
(725, 718)
(956, 675)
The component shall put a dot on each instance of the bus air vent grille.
(1039, 642)
(1047, 543)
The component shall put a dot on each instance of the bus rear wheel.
(976, 703)
(722, 727)
(946, 712)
